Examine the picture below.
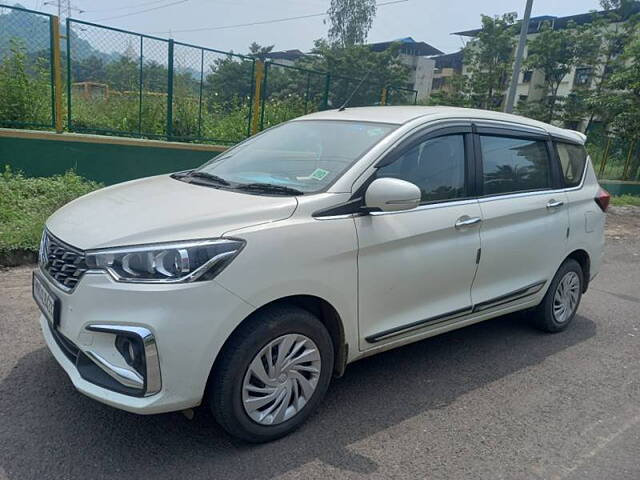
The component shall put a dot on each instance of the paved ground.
(496, 400)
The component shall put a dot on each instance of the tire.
(264, 336)
(548, 315)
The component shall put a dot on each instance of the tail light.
(602, 199)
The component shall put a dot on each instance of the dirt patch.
(623, 222)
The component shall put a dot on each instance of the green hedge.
(25, 204)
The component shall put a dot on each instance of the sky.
(431, 21)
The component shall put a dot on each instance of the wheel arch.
(582, 257)
(317, 306)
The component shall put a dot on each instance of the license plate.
(46, 300)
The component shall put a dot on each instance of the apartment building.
(415, 55)
(580, 77)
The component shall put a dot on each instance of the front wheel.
(272, 374)
(559, 306)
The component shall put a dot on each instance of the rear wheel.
(559, 306)
(272, 374)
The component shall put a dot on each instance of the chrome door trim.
(429, 206)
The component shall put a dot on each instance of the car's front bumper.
(189, 324)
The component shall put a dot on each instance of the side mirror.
(392, 195)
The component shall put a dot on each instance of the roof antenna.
(346, 102)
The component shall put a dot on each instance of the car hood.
(161, 209)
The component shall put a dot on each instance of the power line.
(265, 22)
(129, 7)
(142, 11)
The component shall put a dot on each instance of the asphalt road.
(495, 400)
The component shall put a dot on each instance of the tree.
(615, 29)
(490, 59)
(453, 94)
(348, 65)
(350, 21)
(627, 84)
(258, 51)
(555, 53)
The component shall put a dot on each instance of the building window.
(526, 76)
(583, 77)
(438, 83)
(523, 98)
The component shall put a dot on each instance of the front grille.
(63, 263)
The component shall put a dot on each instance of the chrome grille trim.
(62, 263)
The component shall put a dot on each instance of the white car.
(250, 282)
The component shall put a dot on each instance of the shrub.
(25, 204)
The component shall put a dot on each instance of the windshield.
(305, 156)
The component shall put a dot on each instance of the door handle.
(467, 221)
(554, 204)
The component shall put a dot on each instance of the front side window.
(303, 155)
(514, 165)
(436, 166)
(572, 160)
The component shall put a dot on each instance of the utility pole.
(517, 65)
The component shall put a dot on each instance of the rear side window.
(572, 160)
(436, 166)
(514, 165)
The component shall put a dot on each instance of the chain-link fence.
(26, 73)
(288, 92)
(212, 94)
(401, 96)
(117, 81)
(615, 158)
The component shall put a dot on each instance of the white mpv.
(248, 283)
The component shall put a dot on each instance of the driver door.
(416, 267)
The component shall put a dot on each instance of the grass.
(26, 203)
(622, 200)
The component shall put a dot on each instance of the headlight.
(166, 262)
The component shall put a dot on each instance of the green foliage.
(489, 60)
(555, 53)
(25, 96)
(350, 64)
(624, 200)
(350, 21)
(25, 204)
(454, 93)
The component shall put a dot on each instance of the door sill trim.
(463, 312)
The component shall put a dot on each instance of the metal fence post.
(200, 94)
(140, 81)
(627, 164)
(258, 75)
(327, 85)
(263, 95)
(170, 90)
(605, 155)
(69, 122)
(383, 96)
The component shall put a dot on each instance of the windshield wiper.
(269, 188)
(208, 176)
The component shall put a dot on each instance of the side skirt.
(428, 322)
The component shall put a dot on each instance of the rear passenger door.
(524, 215)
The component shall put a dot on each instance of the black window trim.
(523, 134)
(420, 137)
(354, 206)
